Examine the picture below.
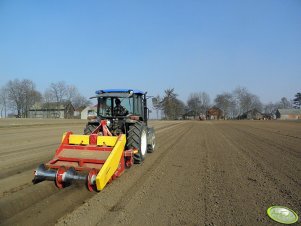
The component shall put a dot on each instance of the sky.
(192, 46)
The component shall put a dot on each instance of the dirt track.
(202, 173)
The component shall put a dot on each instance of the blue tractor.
(124, 112)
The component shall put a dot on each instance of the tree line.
(233, 104)
(20, 95)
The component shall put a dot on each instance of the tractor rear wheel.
(137, 139)
(89, 129)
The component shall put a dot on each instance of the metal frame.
(101, 171)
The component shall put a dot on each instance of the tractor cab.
(121, 108)
(132, 104)
(131, 120)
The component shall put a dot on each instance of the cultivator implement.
(95, 159)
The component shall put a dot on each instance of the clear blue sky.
(192, 46)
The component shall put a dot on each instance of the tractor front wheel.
(89, 129)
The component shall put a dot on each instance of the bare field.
(202, 173)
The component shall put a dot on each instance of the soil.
(201, 173)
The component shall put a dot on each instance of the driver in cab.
(119, 110)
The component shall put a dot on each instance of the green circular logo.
(282, 214)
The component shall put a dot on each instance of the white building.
(287, 114)
(87, 110)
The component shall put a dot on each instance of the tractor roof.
(119, 91)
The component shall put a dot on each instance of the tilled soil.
(201, 173)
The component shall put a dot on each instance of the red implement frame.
(88, 157)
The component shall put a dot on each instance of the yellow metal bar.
(63, 137)
(107, 140)
(111, 164)
(79, 139)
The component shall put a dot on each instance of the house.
(214, 113)
(288, 114)
(202, 116)
(267, 116)
(63, 110)
(77, 112)
(189, 115)
(253, 114)
(88, 110)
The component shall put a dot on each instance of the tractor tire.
(89, 129)
(137, 139)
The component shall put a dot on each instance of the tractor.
(116, 136)
(132, 121)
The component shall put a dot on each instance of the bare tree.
(168, 102)
(22, 94)
(270, 108)
(15, 95)
(60, 92)
(3, 101)
(31, 96)
(256, 103)
(74, 96)
(227, 103)
(246, 101)
(205, 102)
(79, 101)
(171, 106)
(179, 108)
(194, 103)
(198, 103)
(48, 96)
(283, 103)
(57, 92)
(157, 105)
(71, 92)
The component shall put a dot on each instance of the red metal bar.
(67, 159)
(77, 168)
(97, 129)
(93, 139)
(105, 130)
(86, 147)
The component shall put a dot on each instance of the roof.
(190, 113)
(51, 105)
(284, 111)
(252, 111)
(135, 91)
(214, 108)
(92, 107)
